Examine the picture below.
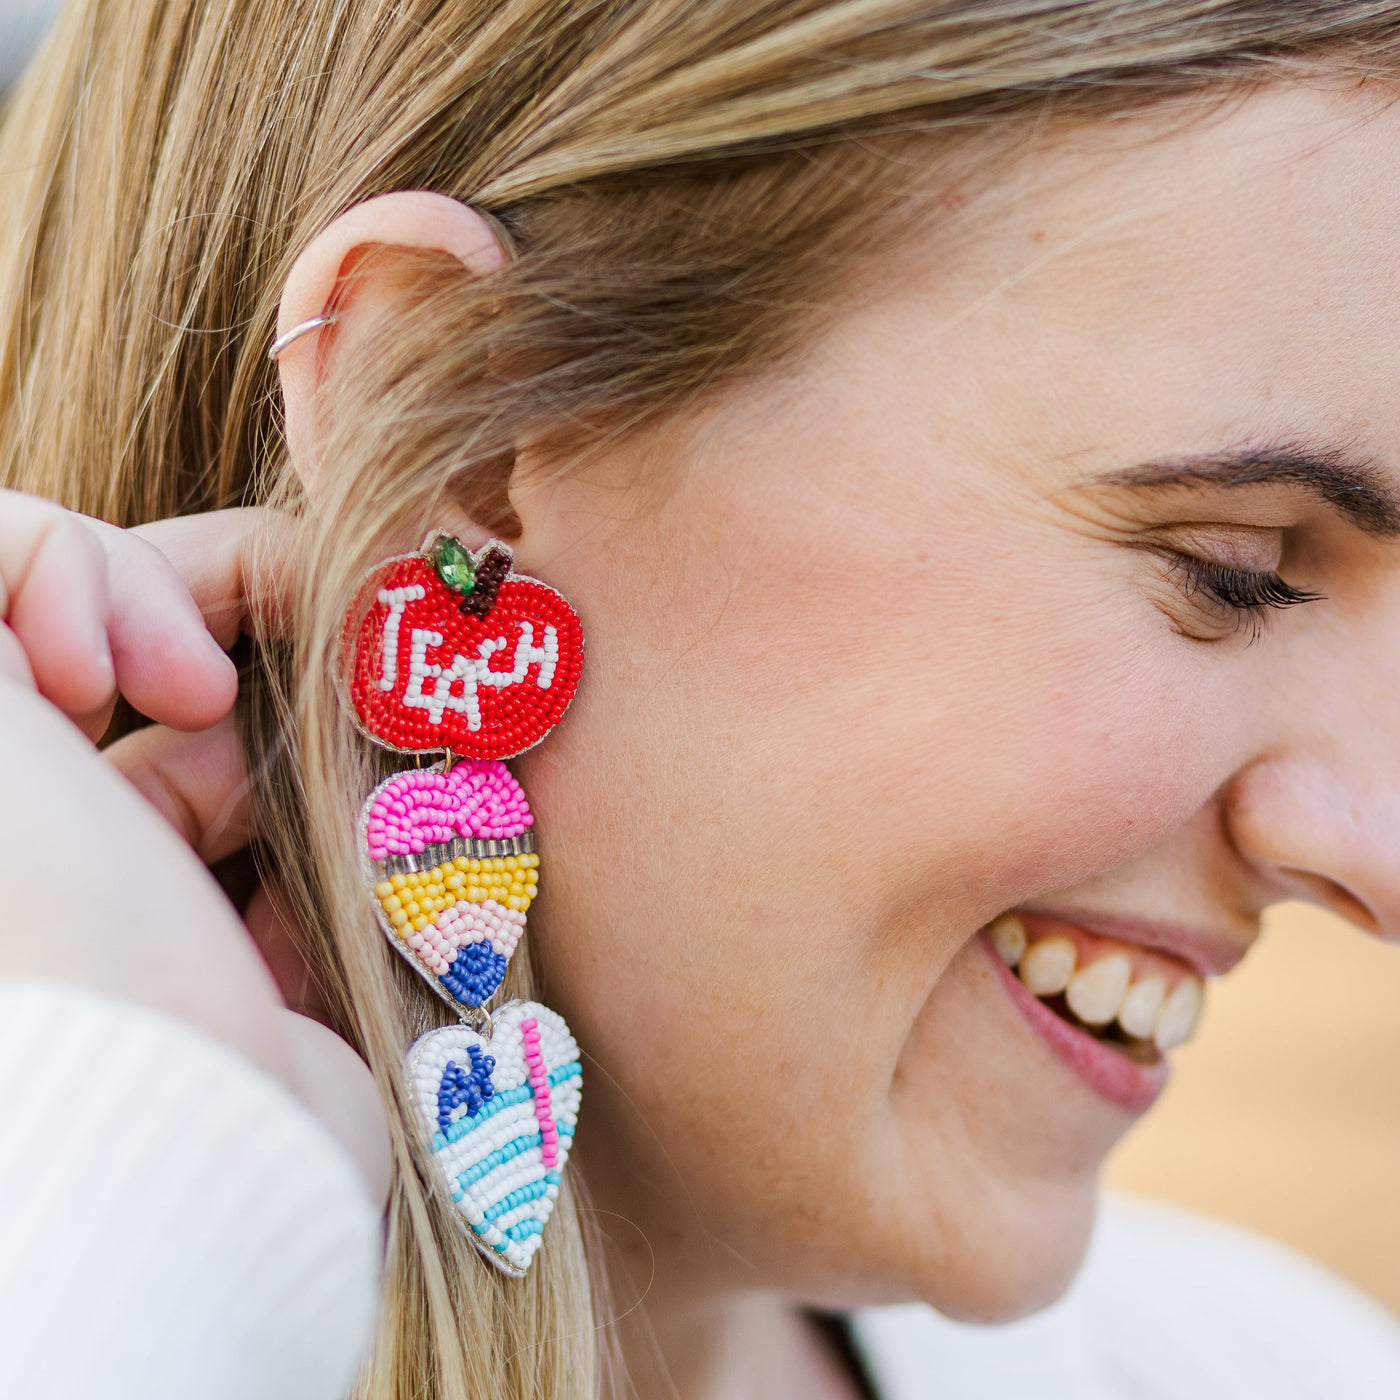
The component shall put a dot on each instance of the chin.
(1000, 1258)
(1018, 1263)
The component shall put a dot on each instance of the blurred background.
(22, 23)
(1284, 1114)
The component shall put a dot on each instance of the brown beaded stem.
(491, 571)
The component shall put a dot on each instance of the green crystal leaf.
(454, 565)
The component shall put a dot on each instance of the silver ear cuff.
(305, 328)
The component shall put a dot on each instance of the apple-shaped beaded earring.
(451, 653)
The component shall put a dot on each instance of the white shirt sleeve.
(173, 1224)
(1168, 1306)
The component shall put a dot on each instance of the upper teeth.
(1102, 991)
(1096, 992)
(1142, 1004)
(1179, 1015)
(1047, 966)
(1008, 935)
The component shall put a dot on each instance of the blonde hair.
(677, 182)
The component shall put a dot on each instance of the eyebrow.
(1355, 489)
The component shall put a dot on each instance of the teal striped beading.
(530, 1192)
(505, 1099)
(501, 1155)
(514, 1235)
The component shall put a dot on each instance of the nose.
(1326, 832)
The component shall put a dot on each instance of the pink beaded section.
(478, 799)
(462, 925)
(539, 1088)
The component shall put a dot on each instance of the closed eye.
(1248, 594)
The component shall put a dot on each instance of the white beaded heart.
(501, 1116)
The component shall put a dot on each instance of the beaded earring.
(453, 654)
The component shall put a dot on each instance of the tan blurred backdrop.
(1284, 1114)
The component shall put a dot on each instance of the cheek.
(1097, 749)
(911, 748)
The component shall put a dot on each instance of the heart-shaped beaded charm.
(451, 860)
(501, 1114)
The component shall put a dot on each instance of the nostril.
(1319, 889)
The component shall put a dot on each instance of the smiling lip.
(1108, 1072)
(1208, 954)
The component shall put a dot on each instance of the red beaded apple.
(457, 653)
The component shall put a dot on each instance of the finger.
(168, 665)
(96, 609)
(53, 578)
(197, 782)
(95, 723)
(283, 949)
(236, 564)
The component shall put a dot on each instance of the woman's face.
(942, 622)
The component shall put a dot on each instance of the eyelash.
(1248, 594)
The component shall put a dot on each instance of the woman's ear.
(335, 278)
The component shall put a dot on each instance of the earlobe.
(331, 279)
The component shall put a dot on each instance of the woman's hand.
(106, 855)
(90, 610)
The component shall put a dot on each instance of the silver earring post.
(305, 328)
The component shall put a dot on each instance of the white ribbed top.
(172, 1222)
(1169, 1306)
